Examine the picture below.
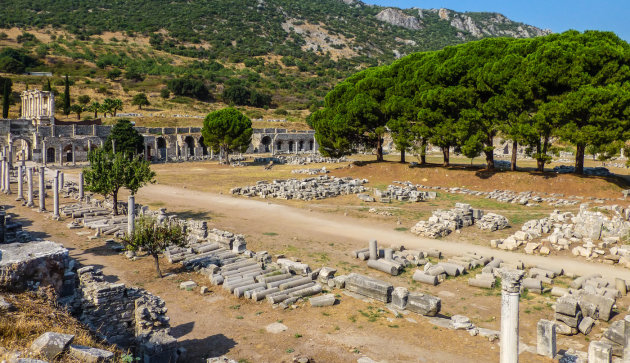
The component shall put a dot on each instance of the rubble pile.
(444, 222)
(320, 187)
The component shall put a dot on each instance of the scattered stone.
(50, 344)
(324, 300)
(188, 285)
(90, 355)
(276, 328)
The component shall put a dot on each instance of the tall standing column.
(60, 156)
(43, 153)
(56, 195)
(29, 175)
(74, 158)
(131, 214)
(81, 193)
(19, 183)
(42, 189)
(510, 293)
(2, 171)
(373, 250)
(7, 175)
(61, 180)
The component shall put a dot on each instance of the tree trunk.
(446, 153)
(227, 155)
(402, 156)
(157, 265)
(489, 160)
(379, 149)
(514, 152)
(540, 165)
(115, 200)
(95, 114)
(423, 152)
(579, 159)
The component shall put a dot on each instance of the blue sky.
(557, 15)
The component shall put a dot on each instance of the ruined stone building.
(43, 139)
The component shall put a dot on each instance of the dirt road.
(265, 216)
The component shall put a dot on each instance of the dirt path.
(267, 216)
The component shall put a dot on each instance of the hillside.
(291, 50)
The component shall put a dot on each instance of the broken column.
(373, 249)
(510, 293)
(56, 195)
(546, 338)
(42, 190)
(19, 181)
(131, 214)
(81, 192)
(29, 174)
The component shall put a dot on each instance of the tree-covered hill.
(263, 53)
(241, 28)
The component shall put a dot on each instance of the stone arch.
(265, 142)
(204, 148)
(161, 147)
(22, 143)
(190, 144)
(311, 144)
(279, 145)
(67, 152)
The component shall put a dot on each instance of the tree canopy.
(126, 139)
(227, 130)
(572, 86)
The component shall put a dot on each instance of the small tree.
(109, 172)
(66, 97)
(227, 130)
(140, 100)
(78, 109)
(127, 139)
(84, 99)
(165, 93)
(94, 107)
(155, 238)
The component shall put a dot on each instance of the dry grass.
(36, 314)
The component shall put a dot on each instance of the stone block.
(324, 300)
(424, 304)
(370, 287)
(90, 355)
(546, 338)
(599, 352)
(187, 285)
(586, 325)
(572, 321)
(567, 305)
(50, 344)
(399, 297)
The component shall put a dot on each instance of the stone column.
(42, 189)
(7, 175)
(29, 174)
(61, 184)
(114, 145)
(81, 193)
(60, 155)
(19, 183)
(43, 153)
(389, 254)
(131, 214)
(2, 172)
(510, 293)
(74, 158)
(56, 195)
(546, 338)
(10, 158)
(599, 352)
(23, 163)
(373, 250)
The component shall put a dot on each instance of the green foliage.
(114, 73)
(66, 97)
(140, 100)
(165, 93)
(78, 109)
(84, 99)
(109, 172)
(227, 130)
(15, 61)
(154, 238)
(189, 87)
(128, 140)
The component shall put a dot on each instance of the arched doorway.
(50, 155)
(161, 147)
(19, 145)
(301, 145)
(67, 151)
(266, 141)
(279, 146)
(204, 148)
(290, 146)
(190, 144)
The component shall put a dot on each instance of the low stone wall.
(30, 265)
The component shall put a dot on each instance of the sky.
(557, 15)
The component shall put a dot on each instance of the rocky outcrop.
(398, 18)
(495, 25)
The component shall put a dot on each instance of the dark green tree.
(84, 99)
(227, 130)
(66, 97)
(140, 100)
(127, 139)
(78, 109)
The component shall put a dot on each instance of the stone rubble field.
(444, 222)
(315, 188)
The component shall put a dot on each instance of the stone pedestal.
(81, 192)
(510, 293)
(56, 195)
(19, 183)
(373, 249)
(599, 352)
(42, 190)
(131, 214)
(29, 177)
(546, 338)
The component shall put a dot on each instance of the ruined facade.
(40, 139)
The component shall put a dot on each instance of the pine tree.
(66, 98)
